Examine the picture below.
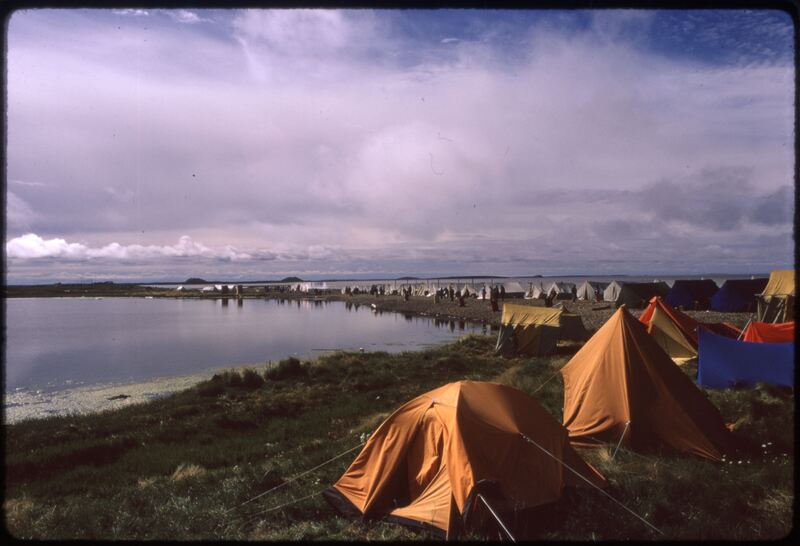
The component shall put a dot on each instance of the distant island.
(291, 279)
(407, 278)
(195, 280)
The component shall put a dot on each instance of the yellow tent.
(781, 283)
(534, 331)
(776, 302)
(427, 463)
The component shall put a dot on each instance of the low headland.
(193, 465)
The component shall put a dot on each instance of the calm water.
(60, 343)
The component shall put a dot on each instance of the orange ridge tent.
(621, 386)
(425, 465)
(676, 332)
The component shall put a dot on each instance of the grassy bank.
(181, 467)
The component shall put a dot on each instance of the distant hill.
(195, 280)
(407, 278)
(292, 279)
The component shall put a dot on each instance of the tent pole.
(745, 328)
(627, 424)
(502, 525)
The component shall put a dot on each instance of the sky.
(156, 145)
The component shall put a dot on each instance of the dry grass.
(185, 471)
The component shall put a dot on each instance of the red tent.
(765, 332)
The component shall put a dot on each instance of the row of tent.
(449, 458)
(771, 297)
(428, 289)
(730, 356)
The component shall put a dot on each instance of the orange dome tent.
(622, 385)
(426, 464)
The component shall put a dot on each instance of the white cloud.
(131, 12)
(186, 16)
(32, 246)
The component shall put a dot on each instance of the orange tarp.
(431, 452)
(622, 376)
(764, 332)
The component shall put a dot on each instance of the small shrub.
(290, 367)
(234, 379)
(213, 387)
(251, 380)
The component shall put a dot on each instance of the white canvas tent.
(513, 289)
(588, 290)
(611, 293)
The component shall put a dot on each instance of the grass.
(183, 467)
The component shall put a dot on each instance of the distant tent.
(535, 291)
(737, 295)
(588, 290)
(620, 386)
(636, 294)
(676, 332)
(427, 463)
(729, 363)
(534, 331)
(561, 290)
(513, 289)
(764, 332)
(776, 302)
(611, 293)
(691, 293)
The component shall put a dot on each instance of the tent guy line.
(294, 479)
(565, 465)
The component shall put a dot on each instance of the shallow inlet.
(73, 354)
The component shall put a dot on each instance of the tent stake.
(502, 525)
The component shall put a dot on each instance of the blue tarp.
(736, 295)
(723, 362)
(685, 293)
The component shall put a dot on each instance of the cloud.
(186, 16)
(33, 184)
(131, 12)
(19, 214)
(335, 136)
(32, 246)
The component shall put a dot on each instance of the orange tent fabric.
(423, 465)
(764, 332)
(622, 381)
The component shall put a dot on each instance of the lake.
(58, 344)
